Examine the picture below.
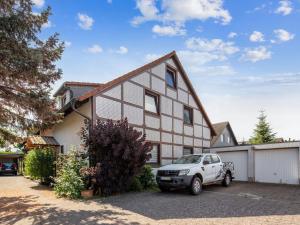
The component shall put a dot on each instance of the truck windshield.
(188, 159)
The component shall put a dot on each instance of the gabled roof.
(42, 140)
(219, 128)
(75, 84)
(171, 55)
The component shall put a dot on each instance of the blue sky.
(241, 56)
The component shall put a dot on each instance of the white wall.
(67, 133)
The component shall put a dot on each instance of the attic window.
(63, 100)
(171, 78)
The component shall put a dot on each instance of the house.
(158, 99)
(224, 135)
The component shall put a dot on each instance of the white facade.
(166, 128)
(67, 133)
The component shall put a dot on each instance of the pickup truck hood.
(177, 166)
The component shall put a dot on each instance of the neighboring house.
(224, 135)
(157, 99)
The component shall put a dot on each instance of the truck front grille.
(169, 173)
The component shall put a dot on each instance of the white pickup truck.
(193, 171)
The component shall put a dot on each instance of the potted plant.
(87, 174)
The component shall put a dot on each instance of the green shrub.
(146, 177)
(69, 183)
(135, 185)
(39, 164)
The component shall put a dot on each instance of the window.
(228, 139)
(171, 78)
(222, 137)
(154, 154)
(151, 103)
(63, 101)
(215, 159)
(61, 149)
(187, 151)
(188, 115)
(208, 158)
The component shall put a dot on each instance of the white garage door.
(240, 160)
(277, 166)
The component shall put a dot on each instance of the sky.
(241, 56)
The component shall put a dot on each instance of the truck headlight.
(183, 172)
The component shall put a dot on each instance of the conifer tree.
(27, 68)
(262, 132)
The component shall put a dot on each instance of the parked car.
(193, 171)
(8, 168)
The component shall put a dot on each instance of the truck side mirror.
(205, 162)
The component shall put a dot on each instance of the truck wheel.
(163, 189)
(227, 180)
(196, 186)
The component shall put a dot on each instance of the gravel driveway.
(24, 202)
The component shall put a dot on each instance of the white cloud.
(232, 35)
(39, 3)
(47, 25)
(256, 54)
(256, 36)
(68, 44)
(148, 10)
(109, 1)
(213, 45)
(285, 8)
(175, 13)
(122, 50)
(95, 49)
(85, 22)
(282, 36)
(152, 57)
(168, 30)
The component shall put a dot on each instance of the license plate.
(165, 178)
(7, 169)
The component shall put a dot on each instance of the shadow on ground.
(239, 200)
(25, 210)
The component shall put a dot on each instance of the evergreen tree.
(263, 132)
(27, 68)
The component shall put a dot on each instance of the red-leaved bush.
(121, 151)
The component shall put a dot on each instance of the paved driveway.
(24, 202)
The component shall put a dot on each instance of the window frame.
(158, 155)
(156, 99)
(191, 115)
(187, 147)
(172, 70)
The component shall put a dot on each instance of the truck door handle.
(213, 167)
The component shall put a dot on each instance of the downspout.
(73, 106)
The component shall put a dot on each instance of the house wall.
(67, 133)
(225, 143)
(167, 128)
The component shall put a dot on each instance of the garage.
(277, 166)
(240, 161)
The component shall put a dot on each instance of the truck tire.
(163, 189)
(196, 186)
(227, 180)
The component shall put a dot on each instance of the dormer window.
(171, 77)
(63, 100)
